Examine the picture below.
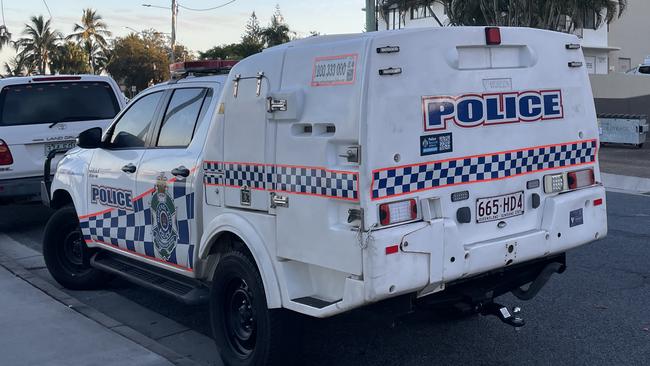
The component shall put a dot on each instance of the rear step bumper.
(184, 289)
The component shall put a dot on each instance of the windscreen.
(644, 69)
(57, 102)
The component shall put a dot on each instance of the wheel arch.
(228, 226)
(60, 198)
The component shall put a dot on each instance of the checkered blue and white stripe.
(316, 181)
(212, 173)
(301, 180)
(396, 181)
(239, 175)
(118, 227)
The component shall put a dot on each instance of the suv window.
(132, 129)
(57, 102)
(644, 69)
(181, 116)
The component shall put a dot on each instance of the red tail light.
(581, 178)
(5, 154)
(598, 202)
(396, 212)
(493, 36)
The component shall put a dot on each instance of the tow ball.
(504, 314)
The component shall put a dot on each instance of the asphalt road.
(596, 313)
(625, 160)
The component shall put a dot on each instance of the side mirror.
(90, 139)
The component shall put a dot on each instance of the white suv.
(43, 113)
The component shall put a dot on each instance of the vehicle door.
(112, 198)
(166, 178)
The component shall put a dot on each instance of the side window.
(132, 129)
(185, 108)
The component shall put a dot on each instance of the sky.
(197, 30)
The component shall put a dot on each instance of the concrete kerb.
(626, 184)
(115, 326)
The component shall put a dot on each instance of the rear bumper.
(21, 188)
(433, 255)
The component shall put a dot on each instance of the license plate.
(499, 207)
(59, 145)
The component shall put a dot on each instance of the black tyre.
(247, 332)
(66, 254)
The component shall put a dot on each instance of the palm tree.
(91, 34)
(277, 32)
(556, 15)
(5, 36)
(16, 66)
(38, 43)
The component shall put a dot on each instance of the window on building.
(589, 20)
(420, 12)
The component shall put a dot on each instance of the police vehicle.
(44, 113)
(434, 166)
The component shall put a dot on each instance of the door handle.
(129, 168)
(181, 171)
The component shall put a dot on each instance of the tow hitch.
(504, 314)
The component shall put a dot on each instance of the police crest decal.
(163, 219)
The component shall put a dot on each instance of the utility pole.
(174, 12)
(371, 16)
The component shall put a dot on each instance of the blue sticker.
(436, 144)
(576, 218)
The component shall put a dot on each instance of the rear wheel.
(245, 330)
(66, 253)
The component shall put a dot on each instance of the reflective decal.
(436, 144)
(473, 110)
(334, 70)
(111, 197)
(407, 179)
(163, 217)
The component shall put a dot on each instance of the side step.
(184, 289)
(314, 302)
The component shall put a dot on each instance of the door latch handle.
(181, 171)
(279, 201)
(129, 168)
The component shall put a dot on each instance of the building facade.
(608, 48)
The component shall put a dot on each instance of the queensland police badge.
(163, 219)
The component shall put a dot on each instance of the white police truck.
(435, 166)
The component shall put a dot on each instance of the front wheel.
(246, 332)
(65, 253)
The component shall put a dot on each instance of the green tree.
(252, 41)
(559, 15)
(277, 32)
(91, 34)
(38, 43)
(16, 66)
(224, 52)
(69, 58)
(138, 61)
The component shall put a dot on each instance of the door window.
(185, 108)
(133, 127)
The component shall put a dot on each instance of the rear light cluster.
(397, 212)
(5, 154)
(556, 183)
